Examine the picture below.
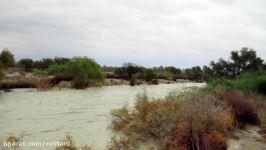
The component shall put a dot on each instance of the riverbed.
(84, 114)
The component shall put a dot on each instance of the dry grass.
(202, 121)
(13, 141)
(121, 144)
(72, 145)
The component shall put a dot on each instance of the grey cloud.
(168, 32)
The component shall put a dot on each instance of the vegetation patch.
(202, 121)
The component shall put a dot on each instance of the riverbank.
(28, 80)
(206, 118)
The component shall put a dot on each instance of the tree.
(207, 73)
(246, 60)
(7, 58)
(173, 70)
(195, 73)
(2, 75)
(43, 64)
(149, 74)
(61, 60)
(128, 70)
(26, 63)
(84, 71)
(222, 68)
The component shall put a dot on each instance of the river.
(84, 114)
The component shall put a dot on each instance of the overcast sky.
(180, 33)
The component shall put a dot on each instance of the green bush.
(85, 71)
(38, 72)
(56, 69)
(249, 83)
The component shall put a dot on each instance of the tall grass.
(249, 83)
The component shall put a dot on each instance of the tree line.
(243, 60)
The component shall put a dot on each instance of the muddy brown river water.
(84, 114)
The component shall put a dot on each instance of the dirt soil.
(249, 139)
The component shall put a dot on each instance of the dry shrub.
(184, 139)
(244, 112)
(154, 118)
(43, 83)
(14, 140)
(13, 143)
(60, 77)
(178, 124)
(202, 114)
(180, 137)
(121, 118)
(71, 146)
(214, 141)
(121, 144)
(154, 81)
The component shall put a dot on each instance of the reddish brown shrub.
(181, 138)
(214, 141)
(184, 139)
(244, 112)
(43, 83)
(59, 78)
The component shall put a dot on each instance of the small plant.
(121, 117)
(214, 141)
(244, 112)
(70, 146)
(121, 144)
(132, 81)
(40, 73)
(155, 81)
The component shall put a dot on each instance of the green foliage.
(47, 62)
(173, 70)
(83, 70)
(244, 60)
(195, 73)
(26, 63)
(1, 71)
(79, 66)
(61, 60)
(7, 58)
(149, 74)
(128, 70)
(207, 73)
(164, 74)
(250, 83)
(37, 72)
(43, 64)
(133, 80)
(56, 69)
